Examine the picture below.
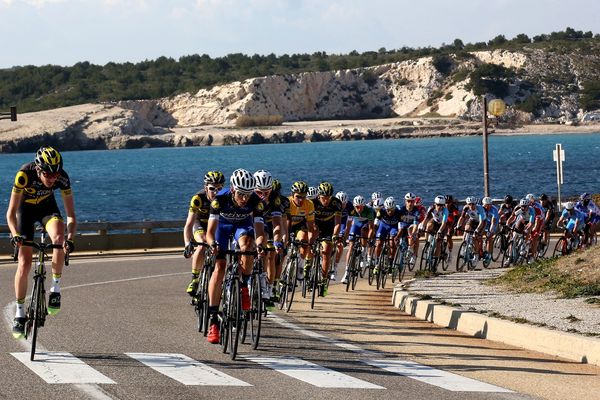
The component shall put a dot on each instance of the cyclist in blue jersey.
(387, 229)
(285, 211)
(574, 219)
(409, 223)
(436, 221)
(587, 206)
(272, 228)
(375, 196)
(493, 220)
(346, 209)
(473, 218)
(236, 213)
(540, 214)
(360, 223)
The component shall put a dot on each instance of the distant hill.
(33, 88)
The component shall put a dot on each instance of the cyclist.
(422, 210)
(197, 222)
(375, 196)
(328, 216)
(587, 206)
(285, 210)
(360, 223)
(346, 209)
(473, 218)
(540, 215)
(32, 200)
(272, 224)
(301, 222)
(409, 223)
(389, 220)
(506, 208)
(436, 221)
(575, 222)
(493, 218)
(238, 213)
(522, 219)
(453, 215)
(549, 217)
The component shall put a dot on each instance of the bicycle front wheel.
(314, 282)
(235, 311)
(560, 249)
(38, 312)
(292, 284)
(461, 257)
(256, 313)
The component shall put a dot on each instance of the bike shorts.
(386, 231)
(342, 230)
(355, 230)
(29, 214)
(199, 227)
(325, 228)
(226, 230)
(595, 219)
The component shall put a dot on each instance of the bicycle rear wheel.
(425, 261)
(202, 303)
(315, 274)
(235, 310)
(292, 284)
(560, 249)
(461, 257)
(497, 247)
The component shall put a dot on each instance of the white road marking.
(186, 370)
(61, 367)
(124, 280)
(436, 377)
(313, 374)
(407, 368)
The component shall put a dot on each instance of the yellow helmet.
(299, 187)
(48, 159)
(214, 177)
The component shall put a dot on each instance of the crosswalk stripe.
(61, 367)
(313, 374)
(186, 370)
(436, 377)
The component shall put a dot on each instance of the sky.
(64, 32)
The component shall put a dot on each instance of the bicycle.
(289, 282)
(466, 253)
(317, 283)
(200, 298)
(427, 254)
(354, 264)
(253, 317)
(38, 310)
(231, 302)
(501, 242)
(383, 265)
(567, 243)
(402, 260)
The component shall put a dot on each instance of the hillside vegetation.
(34, 88)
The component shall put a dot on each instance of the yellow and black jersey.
(300, 215)
(285, 205)
(200, 205)
(28, 183)
(272, 207)
(329, 212)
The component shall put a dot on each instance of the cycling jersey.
(200, 207)
(526, 216)
(325, 215)
(298, 216)
(573, 217)
(439, 215)
(39, 204)
(591, 211)
(476, 215)
(388, 224)
(490, 214)
(359, 219)
(506, 210)
(409, 217)
(273, 209)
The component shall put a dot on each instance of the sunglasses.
(299, 197)
(213, 188)
(243, 195)
(50, 175)
(262, 192)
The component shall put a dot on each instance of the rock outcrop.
(414, 88)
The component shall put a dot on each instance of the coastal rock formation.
(409, 89)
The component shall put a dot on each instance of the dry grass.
(259, 120)
(577, 274)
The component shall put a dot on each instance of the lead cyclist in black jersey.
(32, 200)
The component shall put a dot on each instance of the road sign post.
(558, 155)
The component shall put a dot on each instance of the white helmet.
(264, 179)
(530, 197)
(242, 180)
(358, 201)
(440, 200)
(471, 200)
(312, 193)
(342, 196)
(410, 196)
(486, 201)
(523, 202)
(570, 205)
(378, 203)
(376, 195)
(390, 203)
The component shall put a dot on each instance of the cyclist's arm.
(189, 226)
(337, 220)
(278, 229)
(259, 231)
(11, 214)
(69, 204)
(311, 231)
(211, 230)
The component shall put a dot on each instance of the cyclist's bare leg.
(326, 256)
(216, 281)
(246, 243)
(56, 230)
(22, 274)
(199, 253)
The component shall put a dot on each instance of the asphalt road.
(127, 331)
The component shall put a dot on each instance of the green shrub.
(258, 120)
(442, 63)
(590, 96)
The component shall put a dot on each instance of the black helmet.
(508, 199)
(325, 189)
(299, 187)
(214, 177)
(543, 197)
(48, 159)
(276, 185)
(449, 198)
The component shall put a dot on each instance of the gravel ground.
(469, 291)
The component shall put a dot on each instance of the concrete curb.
(556, 343)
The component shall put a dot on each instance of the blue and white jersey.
(409, 217)
(439, 215)
(591, 208)
(389, 220)
(478, 214)
(492, 213)
(574, 215)
(224, 209)
(527, 216)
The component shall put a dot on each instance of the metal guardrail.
(104, 228)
